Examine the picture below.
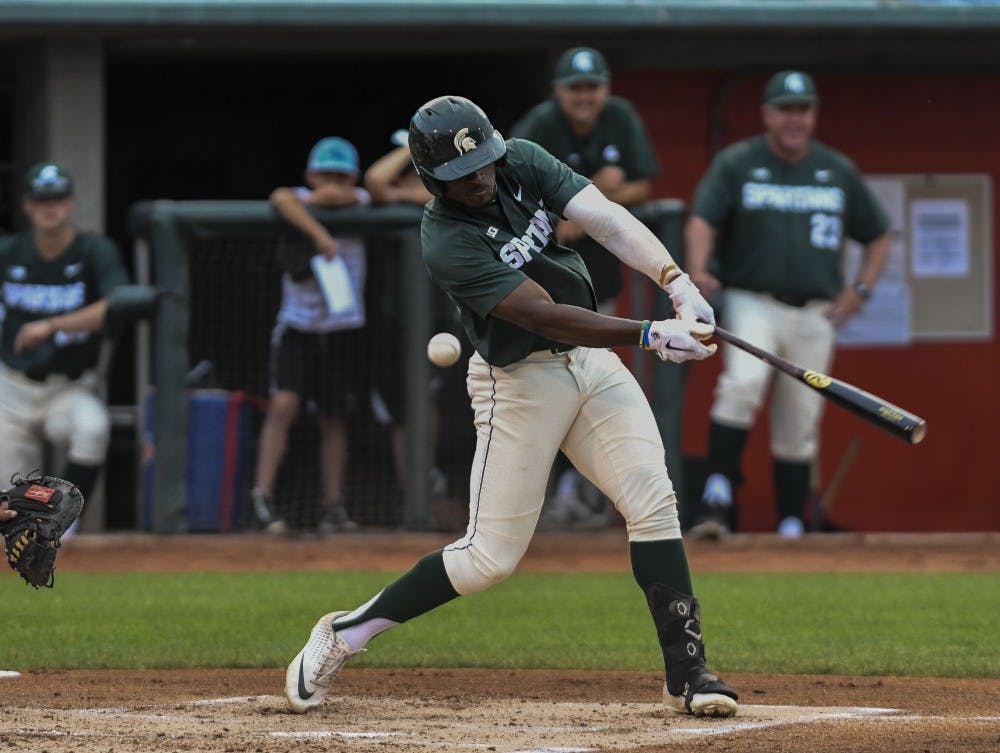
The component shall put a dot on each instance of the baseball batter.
(542, 379)
(776, 209)
(52, 302)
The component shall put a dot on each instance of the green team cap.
(790, 88)
(47, 180)
(582, 64)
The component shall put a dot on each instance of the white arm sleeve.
(615, 228)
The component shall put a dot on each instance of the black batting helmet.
(451, 137)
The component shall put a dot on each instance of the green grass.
(896, 624)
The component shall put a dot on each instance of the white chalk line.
(9, 673)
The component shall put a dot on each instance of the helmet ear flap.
(432, 184)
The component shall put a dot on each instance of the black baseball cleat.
(705, 694)
(312, 672)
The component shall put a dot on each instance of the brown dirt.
(218, 711)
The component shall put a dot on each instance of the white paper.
(940, 238)
(886, 318)
(335, 282)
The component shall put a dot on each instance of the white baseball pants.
(66, 413)
(803, 336)
(584, 402)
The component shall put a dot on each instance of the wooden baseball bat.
(893, 419)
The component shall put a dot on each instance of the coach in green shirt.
(775, 210)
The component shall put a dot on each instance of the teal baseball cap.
(582, 65)
(790, 88)
(47, 180)
(333, 155)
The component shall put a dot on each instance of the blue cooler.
(217, 459)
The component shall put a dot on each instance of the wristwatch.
(863, 291)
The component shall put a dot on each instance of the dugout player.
(53, 302)
(776, 209)
(602, 137)
(543, 378)
(314, 348)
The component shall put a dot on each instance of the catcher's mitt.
(46, 506)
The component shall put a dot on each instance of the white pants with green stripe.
(804, 336)
(584, 402)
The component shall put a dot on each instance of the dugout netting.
(410, 433)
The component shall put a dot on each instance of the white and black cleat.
(312, 672)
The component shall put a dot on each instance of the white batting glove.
(678, 340)
(688, 300)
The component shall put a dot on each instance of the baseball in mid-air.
(444, 349)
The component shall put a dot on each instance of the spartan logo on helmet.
(464, 143)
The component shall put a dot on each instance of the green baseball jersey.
(618, 138)
(34, 288)
(781, 226)
(479, 256)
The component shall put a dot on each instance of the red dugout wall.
(887, 123)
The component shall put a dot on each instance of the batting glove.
(678, 340)
(688, 300)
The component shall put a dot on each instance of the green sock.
(662, 562)
(420, 590)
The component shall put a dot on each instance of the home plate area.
(352, 723)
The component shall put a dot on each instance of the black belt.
(39, 376)
(792, 300)
(556, 350)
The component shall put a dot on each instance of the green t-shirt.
(34, 288)
(781, 226)
(479, 256)
(618, 138)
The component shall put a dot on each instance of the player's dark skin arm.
(530, 307)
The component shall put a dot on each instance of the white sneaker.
(712, 523)
(267, 518)
(718, 491)
(336, 520)
(791, 528)
(312, 672)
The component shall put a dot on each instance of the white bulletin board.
(938, 282)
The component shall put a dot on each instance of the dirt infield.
(408, 710)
